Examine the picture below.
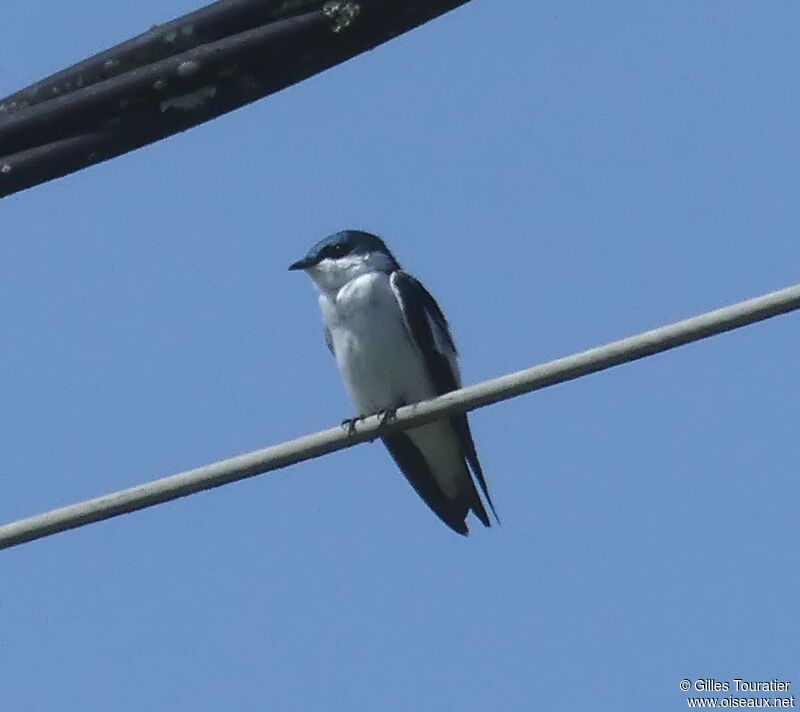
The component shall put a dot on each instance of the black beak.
(302, 264)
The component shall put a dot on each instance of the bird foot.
(387, 415)
(349, 424)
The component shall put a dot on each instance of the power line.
(185, 72)
(465, 399)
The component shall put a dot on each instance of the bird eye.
(338, 250)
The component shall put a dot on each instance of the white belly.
(380, 365)
(382, 368)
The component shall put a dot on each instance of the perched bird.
(393, 348)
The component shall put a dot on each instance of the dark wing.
(430, 332)
(329, 340)
(415, 468)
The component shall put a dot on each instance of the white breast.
(380, 365)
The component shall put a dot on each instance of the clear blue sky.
(560, 174)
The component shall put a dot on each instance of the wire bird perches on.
(183, 73)
(493, 391)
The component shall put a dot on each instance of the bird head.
(343, 256)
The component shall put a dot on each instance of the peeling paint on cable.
(342, 12)
(187, 68)
(190, 101)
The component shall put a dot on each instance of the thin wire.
(465, 399)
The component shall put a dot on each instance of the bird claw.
(387, 415)
(349, 424)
